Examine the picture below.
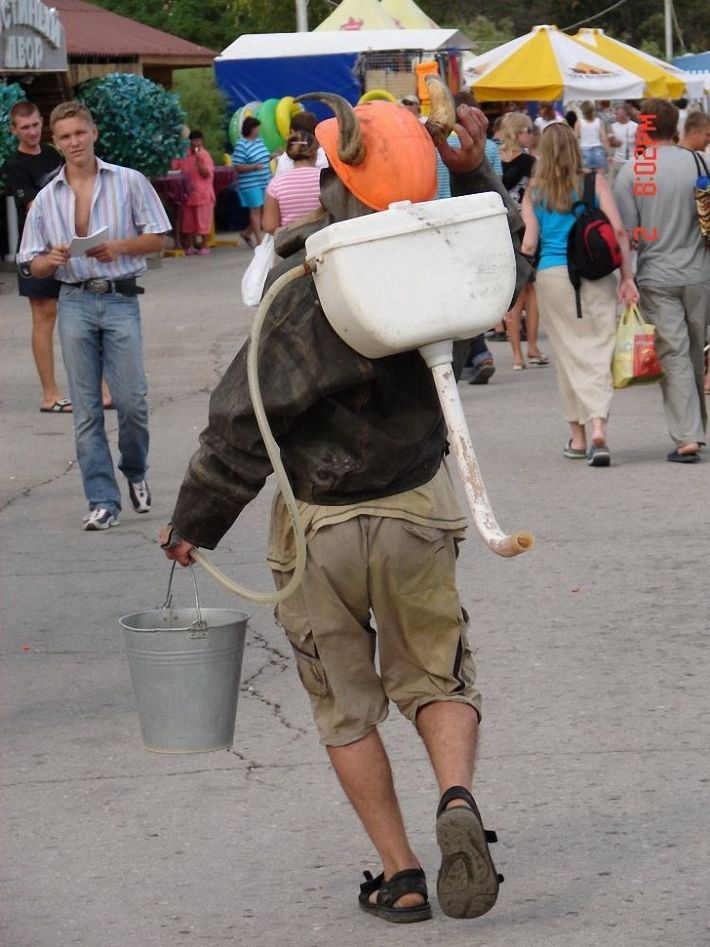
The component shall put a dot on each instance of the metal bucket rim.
(237, 618)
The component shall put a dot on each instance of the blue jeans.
(101, 336)
(478, 352)
(595, 157)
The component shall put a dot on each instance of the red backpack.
(592, 248)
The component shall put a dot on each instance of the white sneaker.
(100, 519)
(140, 496)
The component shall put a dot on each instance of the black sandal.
(409, 881)
(467, 885)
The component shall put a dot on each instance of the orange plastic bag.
(635, 361)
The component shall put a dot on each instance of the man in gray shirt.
(654, 194)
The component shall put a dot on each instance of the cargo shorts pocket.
(308, 664)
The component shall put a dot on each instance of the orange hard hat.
(399, 162)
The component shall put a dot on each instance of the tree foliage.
(205, 106)
(217, 23)
(637, 22)
(210, 23)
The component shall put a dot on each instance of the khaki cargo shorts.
(403, 575)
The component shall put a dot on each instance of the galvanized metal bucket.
(186, 666)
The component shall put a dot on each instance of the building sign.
(31, 38)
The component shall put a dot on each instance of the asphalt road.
(593, 659)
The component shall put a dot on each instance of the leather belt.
(98, 286)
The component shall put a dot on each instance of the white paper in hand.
(81, 245)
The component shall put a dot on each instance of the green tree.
(205, 106)
(278, 16)
(217, 23)
(638, 22)
(486, 33)
(210, 23)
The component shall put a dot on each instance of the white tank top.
(589, 136)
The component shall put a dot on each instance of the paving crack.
(35, 486)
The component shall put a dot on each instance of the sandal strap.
(458, 792)
(409, 881)
(370, 883)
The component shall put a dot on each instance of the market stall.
(260, 66)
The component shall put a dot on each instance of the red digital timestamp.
(645, 155)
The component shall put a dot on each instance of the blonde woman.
(515, 135)
(593, 139)
(583, 347)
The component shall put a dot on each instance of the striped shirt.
(443, 184)
(252, 151)
(297, 193)
(123, 200)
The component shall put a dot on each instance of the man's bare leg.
(467, 884)
(44, 317)
(449, 730)
(365, 774)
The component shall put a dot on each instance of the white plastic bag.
(257, 271)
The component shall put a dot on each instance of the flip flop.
(468, 882)
(599, 456)
(61, 406)
(574, 453)
(538, 360)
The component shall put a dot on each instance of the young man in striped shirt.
(98, 313)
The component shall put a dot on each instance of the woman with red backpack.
(583, 347)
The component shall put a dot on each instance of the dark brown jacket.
(349, 428)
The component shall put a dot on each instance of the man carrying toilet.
(363, 442)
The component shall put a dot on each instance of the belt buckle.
(97, 286)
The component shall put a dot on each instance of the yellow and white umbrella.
(546, 64)
(662, 79)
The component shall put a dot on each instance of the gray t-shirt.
(677, 256)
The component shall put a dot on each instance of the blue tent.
(693, 62)
(272, 65)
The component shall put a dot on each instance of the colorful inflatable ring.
(268, 131)
(375, 94)
(235, 122)
(285, 111)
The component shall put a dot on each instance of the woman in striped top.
(296, 193)
(251, 159)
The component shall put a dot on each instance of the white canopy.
(275, 45)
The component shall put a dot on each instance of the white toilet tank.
(415, 273)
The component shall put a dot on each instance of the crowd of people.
(541, 164)
(665, 262)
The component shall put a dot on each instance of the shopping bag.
(635, 361)
(701, 192)
(257, 271)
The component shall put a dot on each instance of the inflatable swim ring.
(268, 131)
(285, 111)
(375, 94)
(235, 122)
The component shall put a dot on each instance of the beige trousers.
(583, 348)
(403, 575)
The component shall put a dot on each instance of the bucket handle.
(199, 625)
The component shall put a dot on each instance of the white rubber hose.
(272, 449)
(481, 510)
